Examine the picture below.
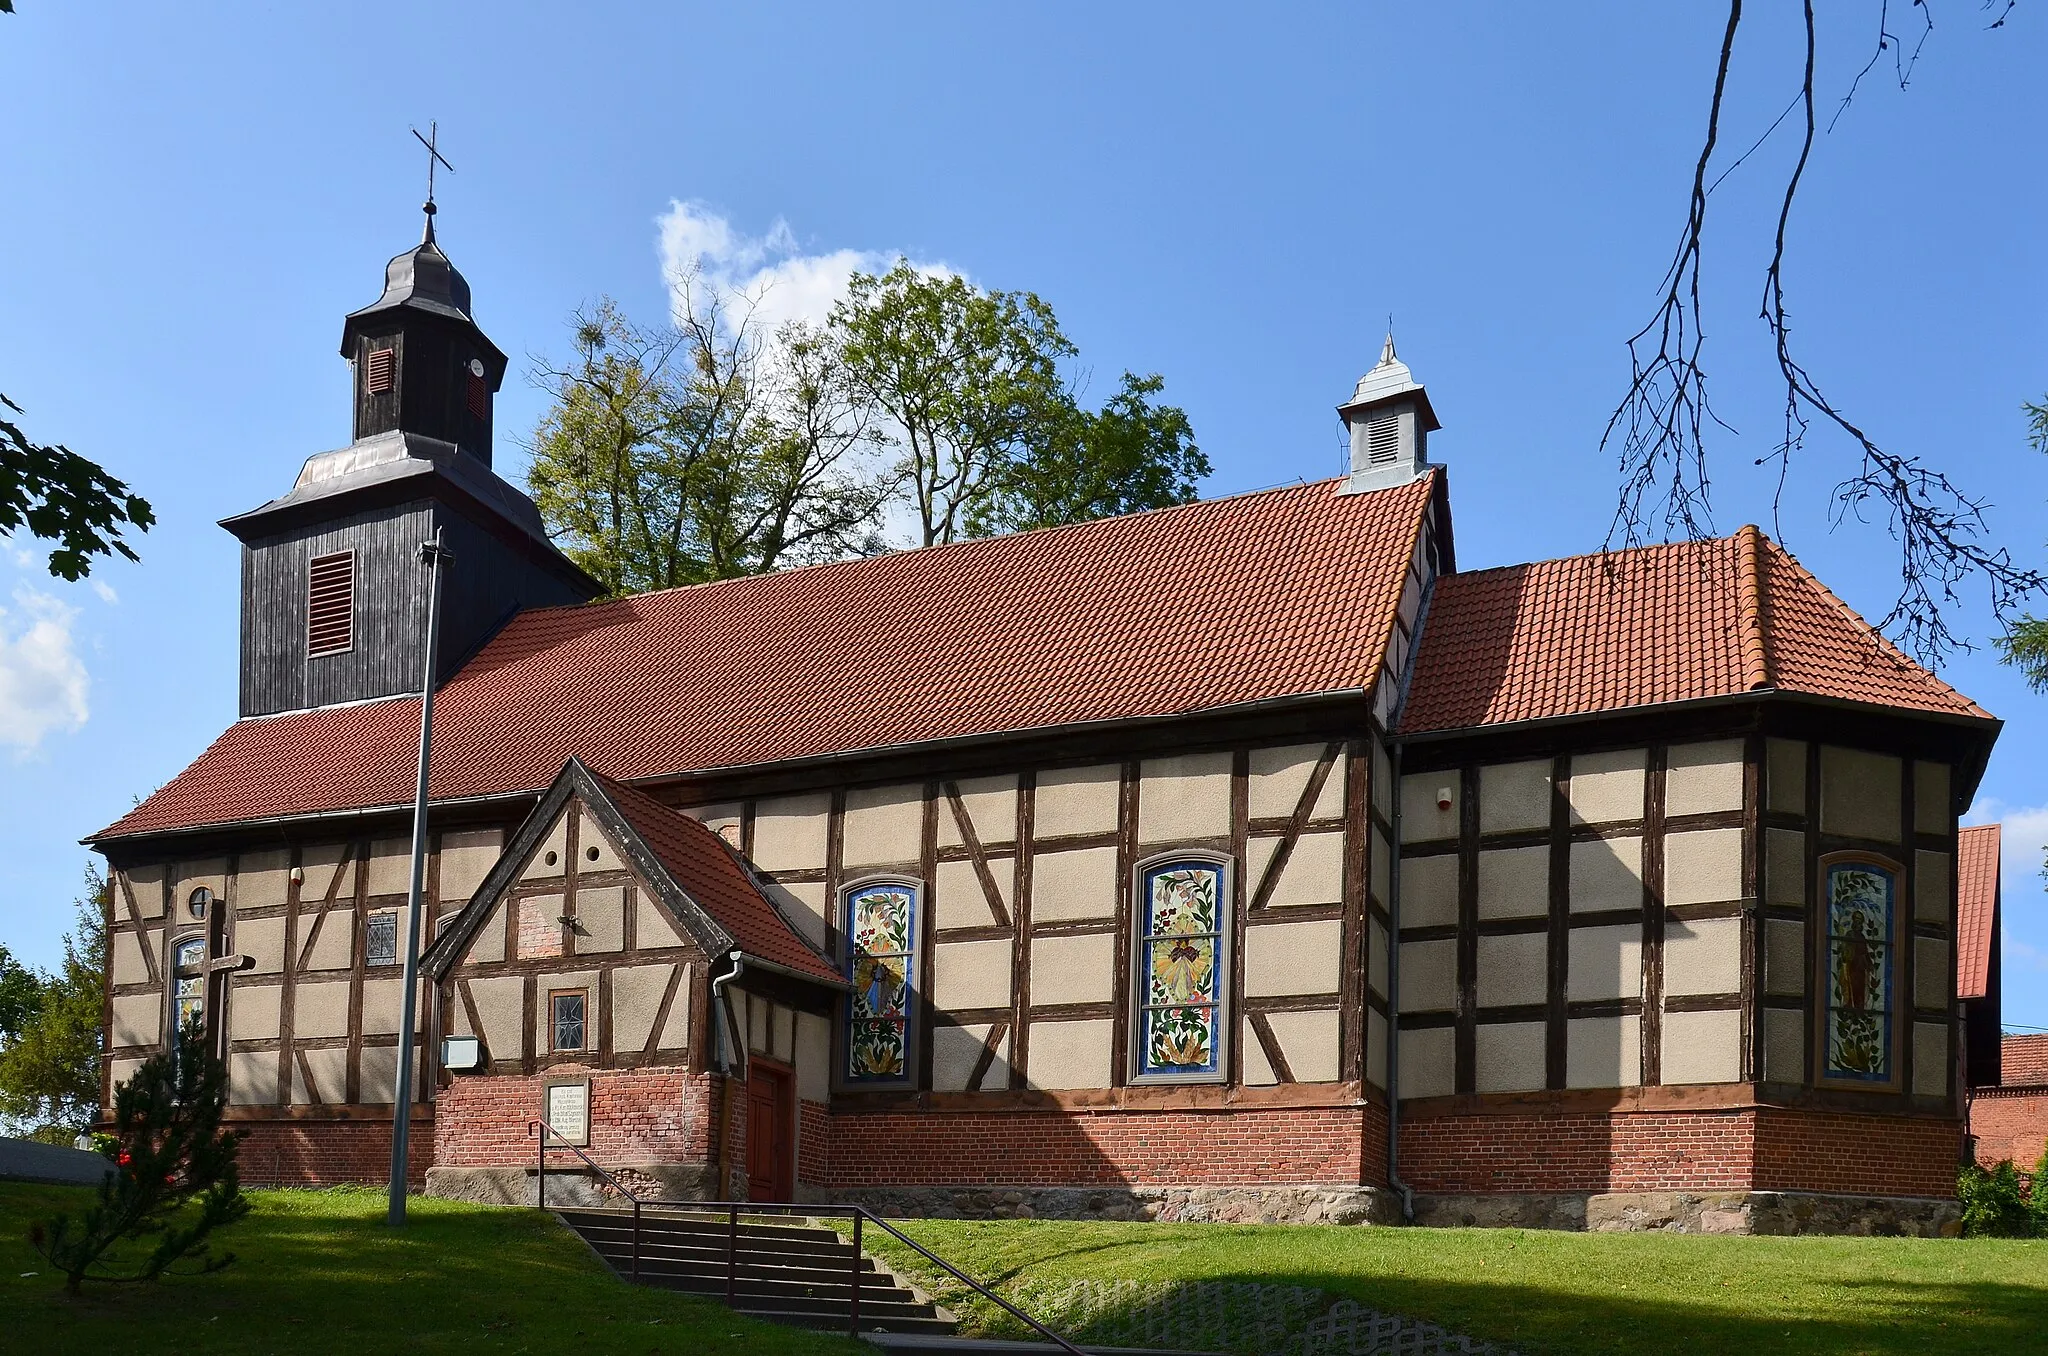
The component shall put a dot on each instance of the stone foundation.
(573, 1186)
(1207, 1204)
(1711, 1212)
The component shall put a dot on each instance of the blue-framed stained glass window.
(1182, 927)
(881, 933)
(1861, 903)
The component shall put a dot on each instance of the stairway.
(788, 1272)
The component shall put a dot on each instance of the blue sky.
(197, 194)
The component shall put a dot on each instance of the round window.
(551, 859)
(591, 853)
(200, 899)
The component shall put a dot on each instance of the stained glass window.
(1862, 900)
(1180, 971)
(881, 928)
(565, 1011)
(380, 939)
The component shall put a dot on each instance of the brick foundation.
(638, 1117)
(328, 1153)
(2010, 1123)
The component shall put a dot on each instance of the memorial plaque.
(567, 1109)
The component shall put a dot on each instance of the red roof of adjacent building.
(1976, 907)
(711, 873)
(1646, 626)
(1280, 593)
(2024, 1061)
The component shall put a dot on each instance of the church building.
(1241, 860)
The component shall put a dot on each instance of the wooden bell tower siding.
(1544, 848)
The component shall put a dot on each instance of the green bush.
(1998, 1204)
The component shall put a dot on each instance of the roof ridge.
(1752, 585)
(1603, 554)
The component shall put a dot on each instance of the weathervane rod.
(434, 157)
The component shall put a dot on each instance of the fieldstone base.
(1218, 1204)
(1681, 1212)
(577, 1186)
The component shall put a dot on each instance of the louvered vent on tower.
(382, 370)
(331, 603)
(1383, 441)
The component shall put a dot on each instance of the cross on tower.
(434, 158)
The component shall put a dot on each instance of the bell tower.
(1390, 420)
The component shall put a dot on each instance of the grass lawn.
(317, 1271)
(1653, 1294)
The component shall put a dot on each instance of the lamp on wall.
(1443, 798)
(462, 1054)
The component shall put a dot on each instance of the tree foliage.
(61, 497)
(2025, 642)
(50, 1026)
(174, 1181)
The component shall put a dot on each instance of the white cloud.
(2022, 842)
(767, 276)
(106, 592)
(43, 683)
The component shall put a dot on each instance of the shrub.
(175, 1179)
(1995, 1203)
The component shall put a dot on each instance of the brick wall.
(2010, 1123)
(652, 1115)
(1329, 1146)
(1856, 1155)
(325, 1153)
(814, 1132)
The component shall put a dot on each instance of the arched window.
(189, 969)
(881, 936)
(1860, 920)
(1182, 958)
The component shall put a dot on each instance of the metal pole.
(732, 1253)
(853, 1306)
(433, 555)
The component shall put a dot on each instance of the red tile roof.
(711, 873)
(2024, 1061)
(1646, 626)
(1976, 907)
(1279, 593)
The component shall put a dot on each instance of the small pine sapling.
(171, 1152)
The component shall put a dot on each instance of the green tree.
(50, 1066)
(61, 497)
(2025, 642)
(964, 383)
(1129, 456)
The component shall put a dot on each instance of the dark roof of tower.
(421, 279)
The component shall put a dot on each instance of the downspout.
(1394, 991)
(721, 1035)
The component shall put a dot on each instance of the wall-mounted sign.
(566, 1107)
(462, 1054)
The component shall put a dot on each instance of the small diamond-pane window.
(380, 940)
(566, 1011)
(331, 603)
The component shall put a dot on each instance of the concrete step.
(878, 1291)
(791, 1229)
(923, 1327)
(659, 1242)
(937, 1344)
(814, 1277)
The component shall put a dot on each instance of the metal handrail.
(859, 1214)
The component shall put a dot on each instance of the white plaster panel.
(1785, 867)
(1379, 880)
(252, 1078)
(326, 873)
(1076, 800)
(1314, 873)
(123, 1069)
(1784, 957)
(1382, 781)
(377, 1075)
(1859, 794)
(1514, 796)
(1509, 1057)
(146, 883)
(1703, 778)
(1703, 866)
(1066, 886)
(884, 826)
(1603, 1052)
(961, 902)
(636, 1002)
(1930, 1058)
(1429, 890)
(1070, 1054)
(1309, 1041)
(790, 831)
(126, 950)
(682, 1014)
(1785, 776)
(262, 939)
(556, 846)
(600, 919)
(320, 1009)
(1607, 873)
(1702, 956)
(1930, 887)
(1931, 987)
(263, 879)
(467, 856)
(138, 1019)
(383, 1001)
(1258, 1070)
(971, 974)
(1604, 963)
(801, 902)
(1514, 882)
(330, 1076)
(1606, 787)
(1291, 958)
(1375, 1049)
(955, 1052)
(500, 1007)
(254, 1011)
(334, 946)
(488, 943)
(813, 1058)
(1429, 1062)
(1784, 1039)
(1071, 970)
(1424, 818)
(390, 866)
(1429, 976)
(991, 805)
(1184, 797)
(1279, 777)
(1931, 810)
(1513, 970)
(1376, 959)
(1702, 1047)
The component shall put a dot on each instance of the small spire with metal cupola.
(1390, 420)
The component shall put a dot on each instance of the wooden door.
(771, 1132)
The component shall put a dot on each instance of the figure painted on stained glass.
(880, 926)
(1183, 935)
(1860, 902)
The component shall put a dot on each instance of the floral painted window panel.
(1862, 902)
(881, 928)
(1179, 970)
(190, 967)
